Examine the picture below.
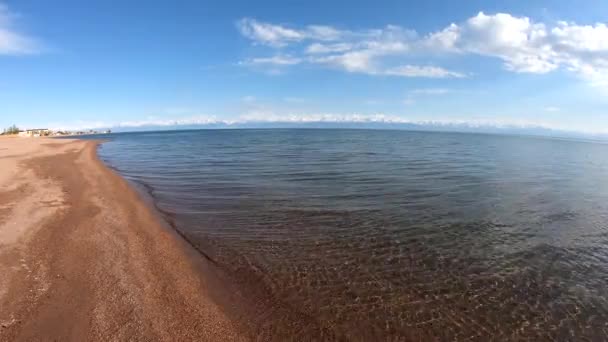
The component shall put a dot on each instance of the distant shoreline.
(542, 134)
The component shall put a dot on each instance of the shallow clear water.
(378, 234)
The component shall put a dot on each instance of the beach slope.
(83, 258)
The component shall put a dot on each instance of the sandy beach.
(82, 257)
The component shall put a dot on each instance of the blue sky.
(76, 64)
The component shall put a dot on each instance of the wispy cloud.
(524, 46)
(317, 48)
(351, 51)
(423, 71)
(268, 34)
(280, 35)
(274, 60)
(13, 42)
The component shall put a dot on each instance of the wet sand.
(82, 257)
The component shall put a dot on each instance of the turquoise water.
(371, 234)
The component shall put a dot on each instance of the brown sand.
(83, 258)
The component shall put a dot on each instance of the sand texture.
(83, 258)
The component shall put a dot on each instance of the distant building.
(35, 132)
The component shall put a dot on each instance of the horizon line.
(538, 132)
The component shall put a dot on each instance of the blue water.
(393, 234)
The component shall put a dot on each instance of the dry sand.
(83, 258)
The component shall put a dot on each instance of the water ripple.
(388, 234)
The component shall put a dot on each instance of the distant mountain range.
(433, 127)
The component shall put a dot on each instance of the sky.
(71, 64)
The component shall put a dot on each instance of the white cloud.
(279, 35)
(274, 60)
(581, 38)
(318, 48)
(444, 40)
(324, 33)
(364, 61)
(524, 46)
(352, 51)
(269, 34)
(11, 41)
(518, 41)
(422, 71)
(531, 47)
(551, 109)
(352, 61)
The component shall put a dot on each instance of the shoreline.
(242, 294)
(87, 258)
